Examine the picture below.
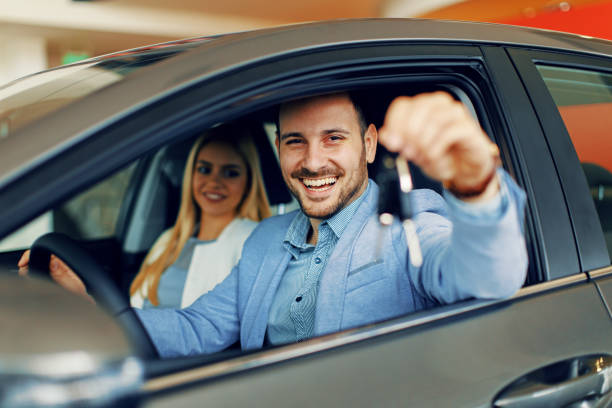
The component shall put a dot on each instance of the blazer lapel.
(330, 299)
(255, 319)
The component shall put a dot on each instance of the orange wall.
(594, 20)
(590, 130)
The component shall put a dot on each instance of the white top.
(210, 263)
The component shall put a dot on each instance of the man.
(317, 270)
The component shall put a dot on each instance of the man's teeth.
(319, 182)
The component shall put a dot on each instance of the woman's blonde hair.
(254, 205)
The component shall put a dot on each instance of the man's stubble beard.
(345, 196)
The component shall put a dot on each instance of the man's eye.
(335, 138)
(293, 141)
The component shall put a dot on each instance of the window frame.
(552, 247)
(592, 249)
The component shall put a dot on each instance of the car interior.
(153, 195)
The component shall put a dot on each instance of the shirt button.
(317, 260)
(298, 299)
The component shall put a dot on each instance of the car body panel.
(460, 361)
(605, 286)
(25, 303)
(603, 280)
(52, 352)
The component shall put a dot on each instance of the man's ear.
(370, 139)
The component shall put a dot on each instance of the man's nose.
(314, 158)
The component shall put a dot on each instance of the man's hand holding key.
(438, 134)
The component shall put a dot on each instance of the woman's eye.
(231, 173)
(203, 170)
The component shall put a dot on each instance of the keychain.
(395, 183)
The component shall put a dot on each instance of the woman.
(222, 199)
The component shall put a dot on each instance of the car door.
(573, 96)
(470, 354)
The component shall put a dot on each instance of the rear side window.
(584, 100)
(90, 215)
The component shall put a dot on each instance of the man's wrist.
(488, 186)
(471, 191)
(484, 209)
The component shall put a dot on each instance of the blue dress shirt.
(293, 309)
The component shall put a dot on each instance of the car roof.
(211, 56)
(359, 30)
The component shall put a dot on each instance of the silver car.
(94, 151)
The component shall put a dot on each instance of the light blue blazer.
(463, 258)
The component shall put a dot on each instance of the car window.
(90, 215)
(584, 100)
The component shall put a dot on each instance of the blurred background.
(40, 34)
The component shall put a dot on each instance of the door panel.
(460, 361)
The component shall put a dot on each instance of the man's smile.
(319, 184)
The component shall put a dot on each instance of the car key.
(395, 183)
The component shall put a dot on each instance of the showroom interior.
(39, 34)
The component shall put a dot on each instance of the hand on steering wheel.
(60, 273)
(95, 280)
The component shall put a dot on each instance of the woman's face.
(219, 179)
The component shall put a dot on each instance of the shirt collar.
(295, 238)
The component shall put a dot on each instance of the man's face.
(323, 154)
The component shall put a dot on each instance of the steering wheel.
(97, 283)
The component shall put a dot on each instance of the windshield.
(30, 98)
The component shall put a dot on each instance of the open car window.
(154, 200)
